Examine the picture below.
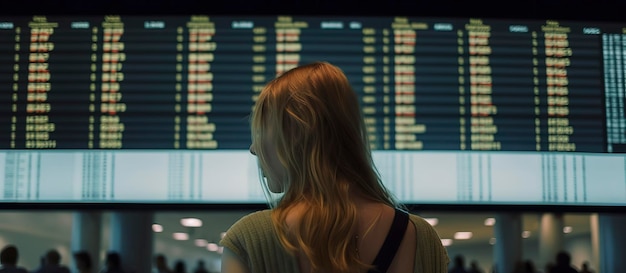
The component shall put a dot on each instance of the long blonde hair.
(321, 140)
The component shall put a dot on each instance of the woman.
(333, 214)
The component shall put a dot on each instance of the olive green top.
(254, 240)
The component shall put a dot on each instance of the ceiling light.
(432, 221)
(212, 247)
(525, 234)
(157, 228)
(490, 222)
(191, 222)
(201, 242)
(463, 235)
(492, 241)
(567, 229)
(181, 236)
(446, 242)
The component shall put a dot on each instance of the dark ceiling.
(596, 10)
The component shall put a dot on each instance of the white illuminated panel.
(232, 177)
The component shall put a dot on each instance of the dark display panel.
(95, 90)
(138, 82)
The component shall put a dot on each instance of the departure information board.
(155, 109)
(189, 82)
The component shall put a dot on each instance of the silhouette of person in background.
(563, 264)
(179, 267)
(52, 263)
(8, 259)
(526, 266)
(160, 262)
(549, 266)
(585, 268)
(459, 265)
(82, 259)
(529, 267)
(200, 268)
(519, 267)
(474, 268)
(113, 263)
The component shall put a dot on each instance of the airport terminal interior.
(192, 236)
(126, 123)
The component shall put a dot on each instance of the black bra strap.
(392, 242)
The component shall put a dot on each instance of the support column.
(550, 238)
(86, 236)
(508, 248)
(132, 238)
(612, 242)
(594, 223)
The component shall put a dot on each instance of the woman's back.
(251, 244)
(375, 220)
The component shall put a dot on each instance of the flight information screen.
(458, 110)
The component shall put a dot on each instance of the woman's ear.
(252, 149)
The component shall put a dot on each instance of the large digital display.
(154, 109)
